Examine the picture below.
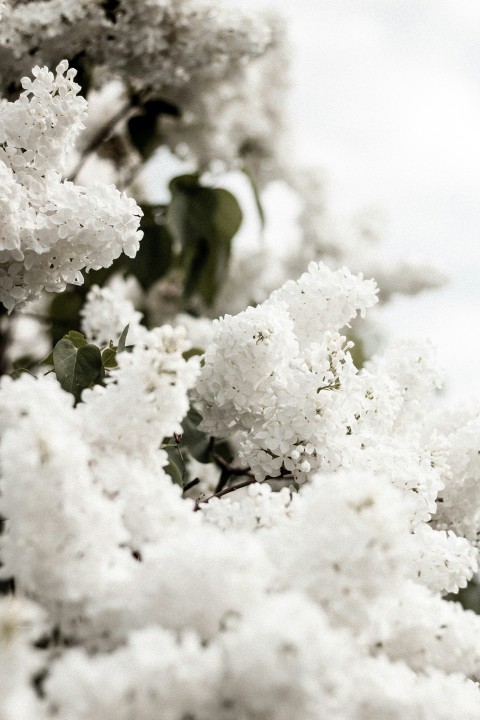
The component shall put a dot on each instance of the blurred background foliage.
(187, 242)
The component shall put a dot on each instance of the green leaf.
(48, 360)
(223, 448)
(15, 374)
(77, 338)
(153, 259)
(175, 466)
(76, 366)
(196, 441)
(192, 352)
(84, 72)
(122, 339)
(142, 128)
(469, 597)
(64, 312)
(203, 220)
(155, 255)
(100, 276)
(109, 358)
(359, 356)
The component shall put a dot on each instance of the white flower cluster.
(458, 504)
(242, 123)
(282, 377)
(192, 54)
(51, 230)
(265, 605)
(281, 373)
(68, 487)
(105, 315)
(150, 385)
(165, 44)
(21, 622)
(259, 507)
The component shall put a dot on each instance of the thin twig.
(238, 486)
(104, 133)
(222, 480)
(177, 437)
(230, 489)
(231, 469)
(190, 484)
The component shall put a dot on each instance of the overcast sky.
(386, 98)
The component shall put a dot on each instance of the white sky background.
(386, 98)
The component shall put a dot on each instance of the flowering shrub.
(206, 519)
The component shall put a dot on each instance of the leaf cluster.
(79, 364)
(189, 239)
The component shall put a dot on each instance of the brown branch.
(231, 469)
(190, 484)
(238, 471)
(230, 489)
(129, 108)
(223, 480)
(5, 338)
(238, 486)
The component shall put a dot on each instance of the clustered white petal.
(194, 54)
(282, 375)
(105, 315)
(51, 229)
(318, 590)
(267, 603)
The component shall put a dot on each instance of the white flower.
(149, 386)
(322, 300)
(52, 230)
(106, 314)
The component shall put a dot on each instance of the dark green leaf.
(77, 338)
(153, 259)
(223, 448)
(203, 221)
(76, 367)
(19, 371)
(84, 73)
(24, 362)
(175, 467)
(469, 597)
(64, 312)
(48, 360)
(162, 107)
(155, 255)
(192, 352)
(109, 358)
(122, 339)
(100, 276)
(196, 441)
(142, 128)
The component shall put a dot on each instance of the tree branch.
(230, 489)
(231, 469)
(227, 470)
(129, 108)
